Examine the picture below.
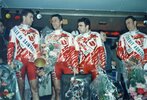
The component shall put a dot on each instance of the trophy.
(40, 63)
(44, 77)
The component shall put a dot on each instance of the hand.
(75, 70)
(54, 75)
(40, 72)
(133, 60)
(12, 65)
(130, 63)
(18, 74)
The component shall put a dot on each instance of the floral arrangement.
(8, 81)
(18, 65)
(54, 50)
(137, 82)
(76, 89)
(51, 52)
(102, 88)
(6, 92)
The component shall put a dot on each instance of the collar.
(86, 34)
(24, 26)
(59, 31)
(134, 31)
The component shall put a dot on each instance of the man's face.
(28, 20)
(131, 25)
(56, 23)
(1, 27)
(82, 27)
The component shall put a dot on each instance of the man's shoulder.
(124, 34)
(145, 35)
(65, 32)
(78, 36)
(95, 33)
(34, 29)
(62, 32)
(68, 33)
(137, 31)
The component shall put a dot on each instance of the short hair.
(130, 17)
(85, 20)
(58, 16)
(25, 12)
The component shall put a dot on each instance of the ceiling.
(104, 14)
(100, 5)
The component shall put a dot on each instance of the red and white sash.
(134, 46)
(24, 40)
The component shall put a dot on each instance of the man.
(132, 46)
(67, 58)
(24, 46)
(90, 47)
(108, 67)
(3, 43)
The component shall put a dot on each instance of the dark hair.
(25, 12)
(130, 17)
(86, 21)
(58, 16)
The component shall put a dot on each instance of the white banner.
(24, 40)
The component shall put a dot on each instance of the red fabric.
(91, 52)
(145, 56)
(62, 68)
(10, 52)
(29, 68)
(140, 39)
(68, 56)
(16, 49)
(89, 69)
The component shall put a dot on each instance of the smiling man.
(90, 47)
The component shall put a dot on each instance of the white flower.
(140, 85)
(52, 53)
(131, 89)
(10, 95)
(139, 97)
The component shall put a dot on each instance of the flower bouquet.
(137, 83)
(18, 65)
(102, 88)
(8, 84)
(51, 52)
(131, 63)
(54, 51)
